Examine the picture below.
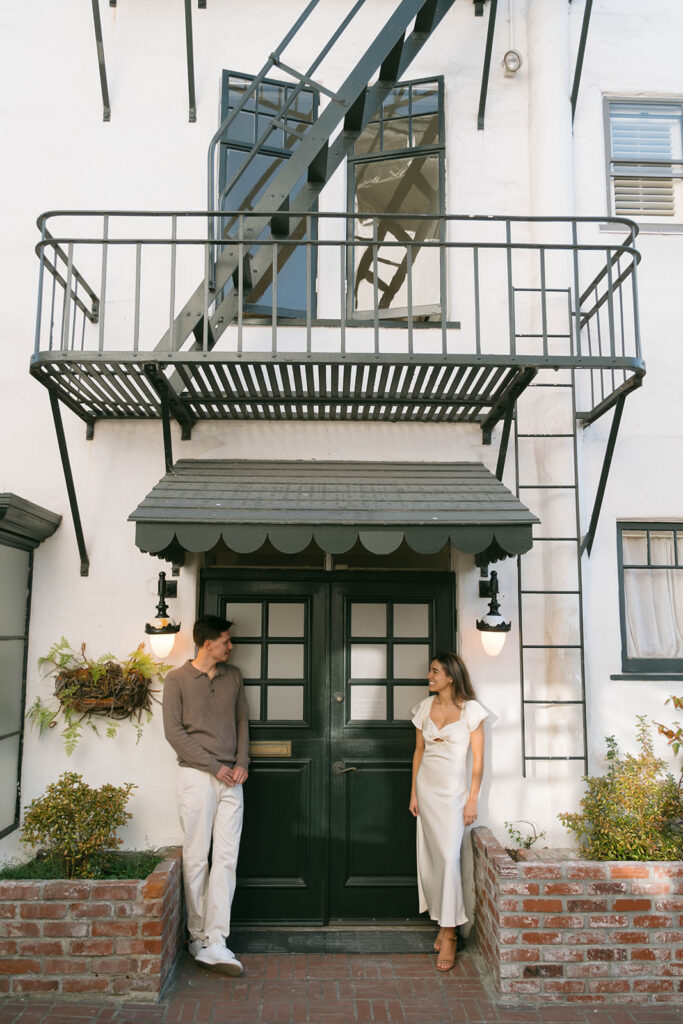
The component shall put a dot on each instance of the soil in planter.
(129, 864)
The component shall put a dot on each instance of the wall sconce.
(493, 626)
(511, 63)
(162, 629)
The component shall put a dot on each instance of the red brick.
(541, 871)
(154, 887)
(519, 921)
(641, 937)
(648, 953)
(10, 890)
(564, 954)
(91, 910)
(588, 970)
(17, 929)
(147, 984)
(518, 955)
(671, 870)
(65, 929)
(543, 971)
(633, 869)
(53, 911)
(563, 921)
(612, 985)
(85, 985)
(8, 947)
(583, 870)
(114, 965)
(541, 938)
(565, 987)
(544, 906)
(529, 987)
(64, 965)
(584, 937)
(149, 965)
(4, 986)
(8, 910)
(19, 965)
(649, 888)
(606, 954)
(152, 946)
(563, 888)
(608, 921)
(108, 928)
(660, 985)
(631, 904)
(652, 921)
(115, 891)
(520, 888)
(586, 906)
(20, 985)
(91, 947)
(63, 890)
(607, 888)
(41, 947)
(152, 928)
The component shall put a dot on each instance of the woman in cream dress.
(447, 723)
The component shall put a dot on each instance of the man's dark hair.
(209, 627)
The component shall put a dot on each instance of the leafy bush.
(524, 842)
(633, 812)
(77, 824)
(135, 864)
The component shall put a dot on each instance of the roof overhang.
(334, 504)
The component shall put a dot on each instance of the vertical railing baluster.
(610, 310)
(344, 263)
(544, 302)
(409, 268)
(309, 297)
(73, 319)
(477, 306)
(52, 312)
(511, 294)
(375, 283)
(636, 311)
(66, 305)
(577, 293)
(598, 323)
(273, 342)
(205, 327)
(240, 282)
(103, 280)
(136, 319)
(443, 286)
(171, 311)
(39, 307)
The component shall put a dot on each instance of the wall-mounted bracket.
(97, 21)
(587, 542)
(486, 69)
(69, 481)
(501, 407)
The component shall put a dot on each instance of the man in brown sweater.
(206, 723)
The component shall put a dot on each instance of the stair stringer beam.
(305, 155)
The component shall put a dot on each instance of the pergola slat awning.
(334, 504)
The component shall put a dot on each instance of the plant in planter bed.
(96, 687)
(633, 812)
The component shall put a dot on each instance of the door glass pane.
(14, 576)
(411, 661)
(368, 661)
(368, 702)
(405, 698)
(253, 695)
(368, 619)
(9, 766)
(285, 661)
(286, 619)
(411, 620)
(247, 658)
(246, 618)
(286, 703)
(11, 671)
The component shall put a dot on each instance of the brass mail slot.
(270, 748)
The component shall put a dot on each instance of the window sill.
(650, 676)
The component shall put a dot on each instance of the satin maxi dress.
(441, 788)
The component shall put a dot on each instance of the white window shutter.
(651, 132)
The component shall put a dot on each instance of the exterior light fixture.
(493, 626)
(162, 629)
(512, 62)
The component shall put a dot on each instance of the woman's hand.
(469, 814)
(412, 806)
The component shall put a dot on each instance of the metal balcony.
(357, 317)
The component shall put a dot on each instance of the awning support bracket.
(69, 481)
(499, 410)
(486, 69)
(505, 437)
(587, 542)
(167, 395)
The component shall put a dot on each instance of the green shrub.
(135, 864)
(633, 812)
(77, 824)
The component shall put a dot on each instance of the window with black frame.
(255, 174)
(651, 596)
(645, 159)
(15, 573)
(398, 168)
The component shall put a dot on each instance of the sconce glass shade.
(493, 630)
(161, 634)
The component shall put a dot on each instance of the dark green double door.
(332, 663)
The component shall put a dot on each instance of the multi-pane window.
(651, 596)
(250, 126)
(15, 571)
(646, 159)
(398, 168)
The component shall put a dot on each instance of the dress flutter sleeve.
(420, 712)
(474, 714)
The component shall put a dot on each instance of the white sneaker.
(218, 957)
(194, 946)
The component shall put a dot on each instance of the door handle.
(339, 769)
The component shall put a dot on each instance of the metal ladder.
(552, 675)
(233, 270)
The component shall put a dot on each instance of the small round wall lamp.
(493, 627)
(162, 629)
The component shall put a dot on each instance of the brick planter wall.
(554, 928)
(115, 938)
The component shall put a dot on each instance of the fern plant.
(89, 688)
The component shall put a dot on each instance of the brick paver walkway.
(331, 989)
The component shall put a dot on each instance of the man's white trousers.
(208, 809)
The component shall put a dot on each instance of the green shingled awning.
(334, 504)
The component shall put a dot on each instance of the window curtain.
(653, 597)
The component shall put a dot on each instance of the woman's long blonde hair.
(456, 669)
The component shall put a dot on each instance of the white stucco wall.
(60, 155)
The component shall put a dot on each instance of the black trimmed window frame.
(647, 182)
(650, 665)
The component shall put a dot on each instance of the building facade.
(341, 308)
